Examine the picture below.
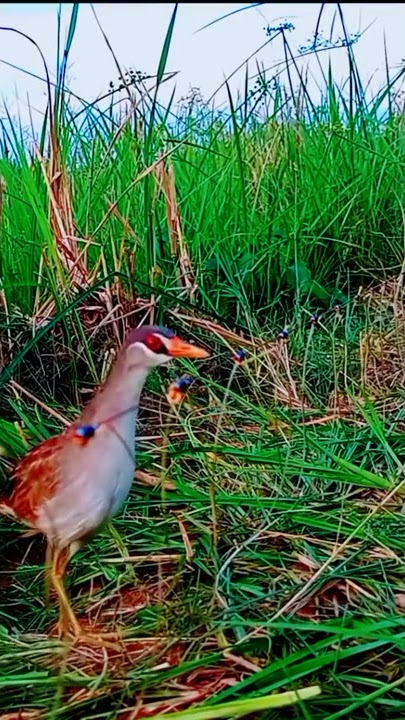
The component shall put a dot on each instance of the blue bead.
(184, 382)
(86, 431)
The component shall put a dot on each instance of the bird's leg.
(67, 617)
(68, 622)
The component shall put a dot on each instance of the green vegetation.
(261, 551)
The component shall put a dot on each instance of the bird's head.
(151, 345)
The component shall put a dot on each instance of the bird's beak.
(178, 348)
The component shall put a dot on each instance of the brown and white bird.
(71, 484)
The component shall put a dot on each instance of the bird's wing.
(36, 479)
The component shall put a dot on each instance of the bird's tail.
(6, 508)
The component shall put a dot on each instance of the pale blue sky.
(136, 32)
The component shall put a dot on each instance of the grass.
(258, 563)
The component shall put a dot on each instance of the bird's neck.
(120, 393)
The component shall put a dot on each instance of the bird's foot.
(106, 640)
(78, 634)
(72, 631)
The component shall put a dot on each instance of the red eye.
(154, 343)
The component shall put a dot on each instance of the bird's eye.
(154, 343)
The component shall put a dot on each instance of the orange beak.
(178, 348)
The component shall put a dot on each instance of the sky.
(202, 58)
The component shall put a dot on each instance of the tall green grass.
(286, 209)
(270, 208)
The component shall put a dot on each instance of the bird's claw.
(100, 640)
(78, 635)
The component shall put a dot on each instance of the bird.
(70, 485)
